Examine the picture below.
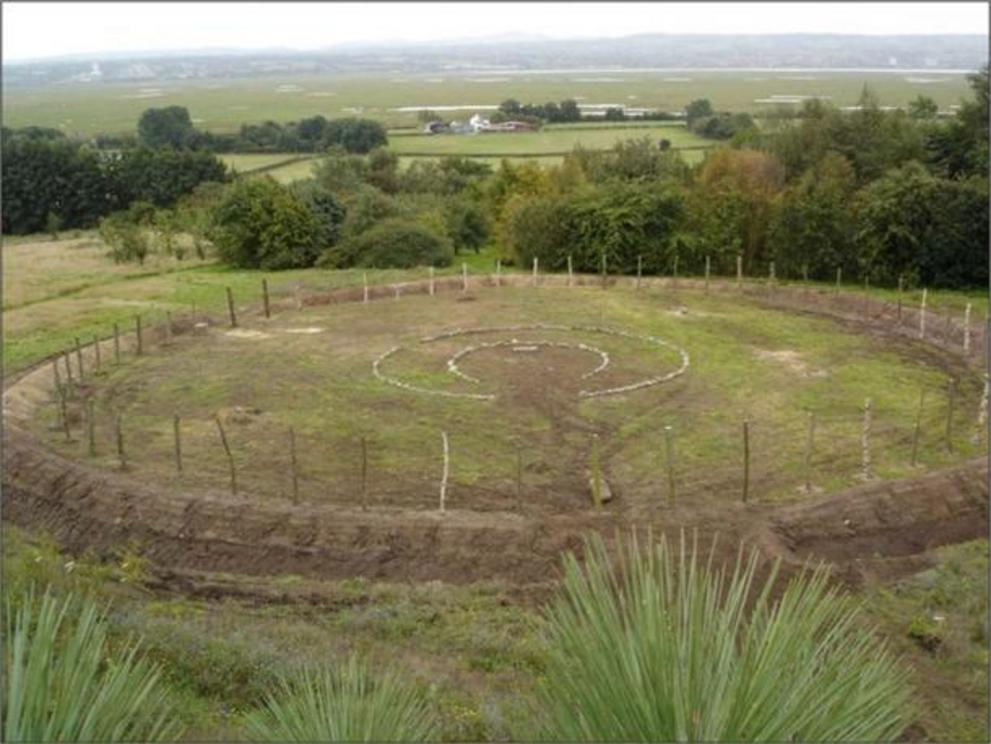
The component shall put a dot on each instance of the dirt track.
(85, 508)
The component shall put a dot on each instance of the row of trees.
(172, 127)
(51, 180)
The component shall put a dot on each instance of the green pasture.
(222, 106)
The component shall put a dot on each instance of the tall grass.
(342, 704)
(62, 682)
(666, 647)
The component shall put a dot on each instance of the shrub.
(665, 647)
(261, 224)
(393, 243)
(342, 704)
(62, 683)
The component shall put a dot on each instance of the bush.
(343, 704)
(62, 682)
(664, 647)
(261, 224)
(393, 243)
(354, 135)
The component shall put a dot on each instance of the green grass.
(225, 105)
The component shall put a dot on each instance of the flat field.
(222, 106)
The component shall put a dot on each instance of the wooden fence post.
(293, 466)
(596, 473)
(604, 274)
(297, 292)
(56, 379)
(230, 457)
(64, 414)
(230, 307)
(839, 278)
(432, 282)
(901, 288)
(966, 329)
(867, 299)
(268, 311)
(176, 438)
(707, 271)
(168, 327)
(364, 474)
(498, 272)
(571, 271)
(922, 314)
(96, 351)
(669, 458)
(746, 460)
(809, 443)
(395, 291)
(447, 470)
(364, 288)
(116, 344)
(119, 427)
(982, 408)
(90, 427)
(534, 281)
(519, 478)
(951, 395)
(918, 428)
(865, 442)
(639, 270)
(739, 270)
(675, 272)
(464, 277)
(79, 358)
(770, 273)
(68, 372)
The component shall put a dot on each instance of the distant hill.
(828, 51)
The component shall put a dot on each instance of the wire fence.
(712, 453)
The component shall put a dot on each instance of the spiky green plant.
(344, 703)
(664, 646)
(63, 683)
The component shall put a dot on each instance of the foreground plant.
(665, 647)
(62, 682)
(343, 704)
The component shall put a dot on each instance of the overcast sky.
(36, 30)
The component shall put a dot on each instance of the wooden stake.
(90, 427)
(519, 478)
(178, 443)
(571, 271)
(432, 281)
(534, 282)
(596, 468)
(746, 460)
(982, 408)
(707, 268)
(447, 469)
(739, 270)
(770, 273)
(867, 298)
(809, 443)
(64, 414)
(96, 351)
(966, 329)
(230, 308)
(116, 344)
(395, 290)
(951, 395)
(230, 457)
(639, 270)
(464, 277)
(839, 278)
(56, 379)
(293, 466)
(68, 372)
(364, 474)
(922, 314)
(298, 294)
(604, 273)
(139, 336)
(119, 429)
(364, 288)
(918, 427)
(168, 327)
(498, 272)
(669, 457)
(675, 275)
(865, 442)
(79, 358)
(901, 288)
(268, 311)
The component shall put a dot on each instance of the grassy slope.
(474, 650)
(225, 105)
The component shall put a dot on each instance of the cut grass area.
(223, 105)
